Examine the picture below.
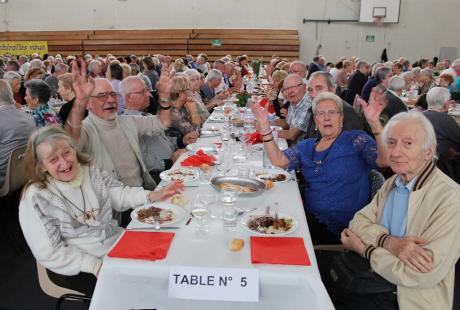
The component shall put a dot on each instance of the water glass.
(239, 155)
(243, 171)
(229, 217)
(200, 213)
(228, 197)
(206, 175)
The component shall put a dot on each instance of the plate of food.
(243, 186)
(207, 148)
(209, 132)
(163, 212)
(216, 118)
(184, 174)
(274, 175)
(269, 224)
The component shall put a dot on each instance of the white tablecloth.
(134, 284)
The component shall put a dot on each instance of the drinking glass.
(200, 213)
(228, 197)
(229, 217)
(209, 199)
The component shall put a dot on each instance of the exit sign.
(370, 38)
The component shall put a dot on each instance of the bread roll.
(179, 200)
(237, 244)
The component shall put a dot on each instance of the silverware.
(153, 228)
(241, 212)
(189, 219)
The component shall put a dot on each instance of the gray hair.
(437, 96)
(6, 93)
(298, 62)
(92, 64)
(39, 90)
(427, 72)
(381, 74)
(330, 81)
(407, 73)
(375, 67)
(396, 83)
(361, 63)
(61, 68)
(11, 75)
(135, 69)
(327, 96)
(36, 63)
(125, 85)
(213, 74)
(416, 71)
(192, 73)
(430, 136)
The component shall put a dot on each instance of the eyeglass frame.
(284, 89)
(330, 114)
(104, 96)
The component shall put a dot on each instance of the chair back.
(15, 175)
(48, 287)
(376, 180)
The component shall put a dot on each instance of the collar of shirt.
(399, 183)
(304, 101)
(132, 112)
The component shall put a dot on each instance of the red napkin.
(263, 102)
(142, 245)
(198, 159)
(279, 250)
(253, 138)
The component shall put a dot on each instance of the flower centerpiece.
(242, 97)
(256, 64)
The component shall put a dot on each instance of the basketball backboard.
(385, 10)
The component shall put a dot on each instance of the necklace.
(319, 162)
(87, 215)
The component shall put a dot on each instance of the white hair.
(36, 63)
(427, 72)
(125, 85)
(327, 96)
(11, 75)
(192, 73)
(396, 83)
(437, 96)
(429, 139)
(213, 74)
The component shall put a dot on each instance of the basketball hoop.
(378, 20)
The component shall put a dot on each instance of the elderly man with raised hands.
(409, 232)
(159, 151)
(296, 123)
(112, 141)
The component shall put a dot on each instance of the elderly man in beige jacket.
(409, 232)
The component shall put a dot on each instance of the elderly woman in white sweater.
(66, 209)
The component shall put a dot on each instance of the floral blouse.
(181, 120)
(45, 116)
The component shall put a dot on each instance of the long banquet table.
(141, 284)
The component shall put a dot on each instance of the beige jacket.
(433, 214)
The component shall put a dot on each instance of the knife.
(152, 228)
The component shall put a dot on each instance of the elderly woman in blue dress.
(335, 166)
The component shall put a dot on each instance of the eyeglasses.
(291, 87)
(330, 114)
(141, 92)
(105, 96)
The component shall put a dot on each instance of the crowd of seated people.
(340, 122)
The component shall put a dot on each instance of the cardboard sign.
(225, 284)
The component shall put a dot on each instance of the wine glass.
(208, 199)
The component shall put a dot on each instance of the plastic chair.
(15, 176)
(58, 292)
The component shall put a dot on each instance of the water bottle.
(248, 120)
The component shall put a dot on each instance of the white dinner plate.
(207, 148)
(454, 113)
(219, 108)
(184, 174)
(178, 213)
(259, 213)
(275, 175)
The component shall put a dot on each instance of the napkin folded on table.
(253, 138)
(198, 159)
(279, 250)
(142, 245)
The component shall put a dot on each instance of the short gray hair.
(396, 83)
(327, 96)
(430, 136)
(330, 81)
(126, 84)
(213, 74)
(61, 68)
(11, 75)
(427, 72)
(437, 96)
(36, 63)
(381, 74)
(92, 64)
(192, 73)
(6, 93)
(39, 90)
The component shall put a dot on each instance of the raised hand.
(375, 106)
(165, 82)
(83, 85)
(261, 115)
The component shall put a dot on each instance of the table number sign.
(225, 284)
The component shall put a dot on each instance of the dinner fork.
(241, 212)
